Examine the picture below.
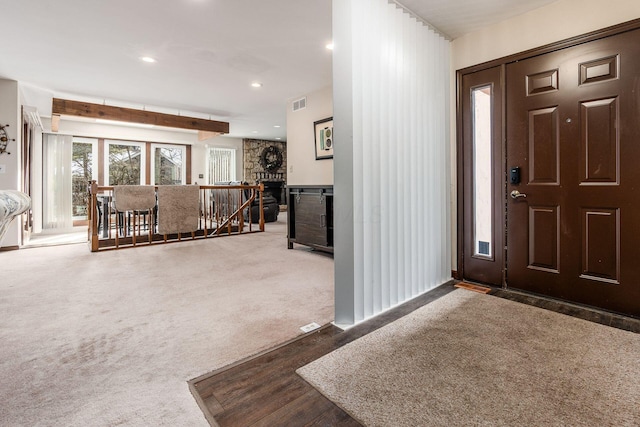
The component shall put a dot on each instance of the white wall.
(11, 178)
(554, 22)
(557, 21)
(101, 130)
(303, 168)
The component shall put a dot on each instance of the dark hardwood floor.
(265, 390)
(582, 312)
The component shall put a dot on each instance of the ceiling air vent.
(299, 104)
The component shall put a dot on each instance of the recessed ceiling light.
(255, 131)
(278, 139)
(329, 46)
(148, 59)
(276, 126)
(256, 84)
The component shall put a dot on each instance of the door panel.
(599, 148)
(544, 229)
(573, 127)
(544, 147)
(483, 177)
(310, 220)
(601, 249)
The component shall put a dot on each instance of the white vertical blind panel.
(397, 142)
(413, 150)
(367, 148)
(358, 61)
(420, 156)
(373, 110)
(401, 170)
(58, 189)
(445, 172)
(222, 165)
(437, 232)
(383, 134)
(391, 196)
(432, 225)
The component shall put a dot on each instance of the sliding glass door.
(84, 168)
(168, 164)
(125, 163)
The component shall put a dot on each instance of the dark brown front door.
(573, 129)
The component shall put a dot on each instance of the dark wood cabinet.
(310, 216)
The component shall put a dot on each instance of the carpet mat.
(474, 359)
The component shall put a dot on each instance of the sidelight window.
(482, 176)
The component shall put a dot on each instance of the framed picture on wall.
(324, 138)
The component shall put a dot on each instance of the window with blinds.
(221, 165)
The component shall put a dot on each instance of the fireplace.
(266, 162)
(275, 189)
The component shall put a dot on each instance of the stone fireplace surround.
(274, 181)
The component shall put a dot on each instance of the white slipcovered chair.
(12, 204)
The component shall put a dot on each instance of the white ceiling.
(457, 17)
(208, 52)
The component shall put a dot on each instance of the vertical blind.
(222, 165)
(57, 194)
(400, 144)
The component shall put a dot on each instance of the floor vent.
(299, 104)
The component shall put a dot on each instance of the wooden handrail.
(210, 223)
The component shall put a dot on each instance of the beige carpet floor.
(469, 359)
(49, 238)
(111, 338)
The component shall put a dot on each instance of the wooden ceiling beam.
(121, 114)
